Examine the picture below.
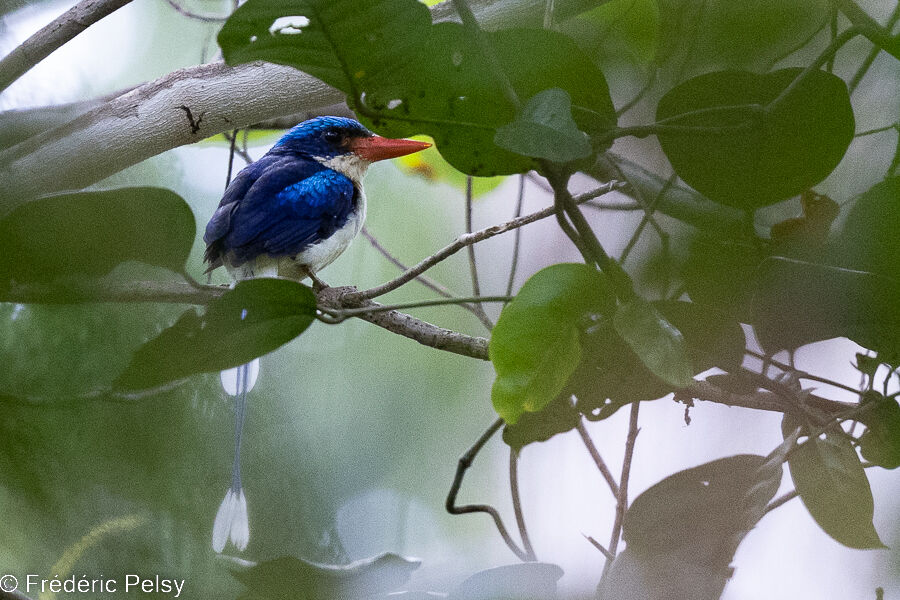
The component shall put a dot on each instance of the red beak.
(379, 148)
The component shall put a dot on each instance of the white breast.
(318, 256)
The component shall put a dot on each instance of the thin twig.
(781, 500)
(600, 547)
(473, 238)
(651, 79)
(622, 497)
(873, 53)
(423, 279)
(800, 374)
(648, 218)
(62, 29)
(878, 130)
(465, 461)
(514, 263)
(473, 265)
(598, 460)
(230, 158)
(242, 152)
(342, 314)
(517, 504)
(196, 16)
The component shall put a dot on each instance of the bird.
(296, 209)
(289, 214)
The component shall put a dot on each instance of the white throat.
(349, 165)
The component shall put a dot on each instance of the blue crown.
(321, 136)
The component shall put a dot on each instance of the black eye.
(332, 137)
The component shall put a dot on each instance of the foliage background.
(354, 433)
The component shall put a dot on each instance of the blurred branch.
(150, 119)
(873, 53)
(473, 264)
(195, 16)
(58, 32)
(595, 455)
(465, 461)
(517, 504)
(13, 595)
(869, 27)
(473, 238)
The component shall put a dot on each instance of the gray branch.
(61, 30)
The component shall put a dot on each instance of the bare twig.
(181, 10)
(473, 238)
(598, 460)
(622, 497)
(465, 461)
(514, 263)
(58, 32)
(473, 265)
(338, 315)
(781, 500)
(801, 374)
(517, 504)
(609, 557)
(870, 58)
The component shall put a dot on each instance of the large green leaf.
(254, 318)
(403, 75)
(535, 345)
(833, 486)
(698, 36)
(751, 158)
(89, 233)
(658, 343)
(545, 129)
(611, 375)
(869, 239)
(798, 302)
(683, 532)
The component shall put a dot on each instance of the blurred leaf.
(545, 129)
(833, 486)
(798, 302)
(254, 318)
(535, 345)
(869, 240)
(525, 581)
(657, 342)
(624, 30)
(405, 76)
(557, 417)
(751, 159)
(682, 533)
(867, 365)
(290, 578)
(720, 272)
(611, 375)
(89, 233)
(430, 165)
(698, 36)
(880, 443)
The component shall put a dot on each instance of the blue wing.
(278, 209)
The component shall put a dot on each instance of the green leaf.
(254, 318)
(535, 345)
(545, 129)
(290, 578)
(880, 443)
(698, 36)
(833, 486)
(750, 158)
(682, 533)
(404, 76)
(90, 233)
(798, 302)
(611, 375)
(655, 340)
(557, 417)
(869, 240)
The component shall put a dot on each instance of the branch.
(61, 30)
(472, 238)
(150, 119)
(622, 496)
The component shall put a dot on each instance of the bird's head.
(343, 144)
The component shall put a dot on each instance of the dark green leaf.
(655, 340)
(89, 233)
(254, 318)
(611, 375)
(833, 486)
(289, 578)
(751, 158)
(682, 533)
(535, 345)
(403, 75)
(798, 302)
(528, 581)
(557, 417)
(869, 240)
(880, 443)
(545, 129)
